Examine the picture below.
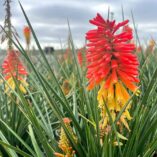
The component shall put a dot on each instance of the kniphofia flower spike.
(14, 69)
(64, 143)
(112, 65)
(27, 34)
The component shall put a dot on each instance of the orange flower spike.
(27, 34)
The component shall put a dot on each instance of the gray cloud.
(146, 11)
(49, 18)
(61, 11)
(1, 11)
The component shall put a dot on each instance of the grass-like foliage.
(57, 103)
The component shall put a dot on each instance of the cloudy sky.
(49, 17)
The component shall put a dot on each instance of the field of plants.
(96, 101)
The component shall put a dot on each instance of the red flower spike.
(12, 66)
(109, 54)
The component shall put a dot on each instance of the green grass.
(30, 123)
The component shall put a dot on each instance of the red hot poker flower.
(109, 54)
(27, 34)
(13, 67)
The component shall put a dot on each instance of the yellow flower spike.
(110, 92)
(121, 94)
(126, 96)
(64, 143)
(22, 86)
(118, 94)
(125, 93)
(10, 81)
(111, 104)
(110, 97)
(10, 85)
(102, 95)
(117, 106)
(22, 89)
(115, 97)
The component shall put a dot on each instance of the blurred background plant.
(57, 116)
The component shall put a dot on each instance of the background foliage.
(30, 124)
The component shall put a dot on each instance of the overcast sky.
(49, 17)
